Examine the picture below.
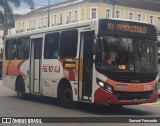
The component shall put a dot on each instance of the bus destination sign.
(127, 28)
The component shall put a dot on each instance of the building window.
(75, 15)
(117, 14)
(34, 24)
(158, 22)
(23, 26)
(54, 19)
(60, 19)
(151, 19)
(70, 16)
(42, 22)
(19, 26)
(93, 13)
(130, 16)
(82, 14)
(139, 17)
(69, 49)
(46, 23)
(30, 25)
(108, 13)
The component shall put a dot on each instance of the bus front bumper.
(103, 97)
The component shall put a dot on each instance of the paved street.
(11, 106)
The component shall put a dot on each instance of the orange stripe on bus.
(132, 87)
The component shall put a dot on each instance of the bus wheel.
(65, 96)
(20, 88)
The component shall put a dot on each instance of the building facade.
(80, 10)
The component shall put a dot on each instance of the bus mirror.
(94, 48)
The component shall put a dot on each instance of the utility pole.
(113, 10)
(49, 13)
(113, 2)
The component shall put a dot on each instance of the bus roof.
(87, 23)
(54, 28)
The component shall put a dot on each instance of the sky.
(24, 8)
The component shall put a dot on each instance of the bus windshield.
(126, 54)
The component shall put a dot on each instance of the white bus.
(103, 61)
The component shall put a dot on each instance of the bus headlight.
(101, 84)
(105, 86)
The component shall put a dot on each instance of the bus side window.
(10, 49)
(51, 48)
(23, 46)
(68, 44)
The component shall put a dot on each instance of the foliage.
(7, 5)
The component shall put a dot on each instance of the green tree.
(7, 5)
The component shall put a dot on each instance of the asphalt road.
(11, 106)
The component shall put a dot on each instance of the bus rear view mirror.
(94, 48)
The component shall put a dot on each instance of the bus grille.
(132, 78)
(133, 96)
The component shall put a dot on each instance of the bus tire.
(20, 88)
(65, 96)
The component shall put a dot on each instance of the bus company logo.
(51, 69)
(6, 120)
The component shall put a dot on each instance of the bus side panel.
(71, 74)
(12, 69)
(8, 80)
(52, 71)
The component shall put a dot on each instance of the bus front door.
(86, 65)
(36, 59)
